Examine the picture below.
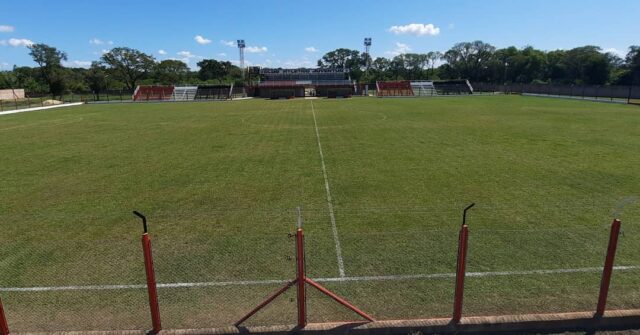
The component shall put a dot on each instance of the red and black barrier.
(151, 277)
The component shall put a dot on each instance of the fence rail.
(629, 94)
(212, 281)
(35, 99)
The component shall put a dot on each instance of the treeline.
(124, 68)
(119, 69)
(481, 62)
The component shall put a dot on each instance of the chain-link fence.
(621, 93)
(393, 263)
(36, 99)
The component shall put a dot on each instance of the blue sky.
(297, 33)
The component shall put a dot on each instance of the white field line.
(41, 108)
(325, 280)
(334, 228)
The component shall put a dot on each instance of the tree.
(414, 64)
(433, 56)
(7, 79)
(340, 59)
(96, 78)
(347, 59)
(556, 68)
(633, 63)
(171, 71)
(470, 59)
(379, 69)
(49, 59)
(128, 65)
(587, 65)
(211, 69)
(397, 67)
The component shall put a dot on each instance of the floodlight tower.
(241, 46)
(367, 47)
(367, 44)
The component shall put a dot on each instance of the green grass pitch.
(219, 182)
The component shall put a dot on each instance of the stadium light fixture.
(241, 46)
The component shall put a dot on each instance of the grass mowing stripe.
(336, 279)
(334, 228)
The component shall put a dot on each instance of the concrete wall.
(9, 94)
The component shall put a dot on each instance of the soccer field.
(381, 183)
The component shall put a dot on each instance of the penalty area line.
(321, 280)
(334, 227)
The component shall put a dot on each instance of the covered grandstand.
(187, 92)
(214, 92)
(294, 83)
(153, 93)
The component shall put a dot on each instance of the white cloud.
(17, 42)
(201, 40)
(222, 54)
(7, 29)
(400, 49)
(98, 41)
(310, 49)
(256, 50)
(186, 57)
(615, 52)
(228, 43)
(162, 52)
(77, 63)
(418, 29)
(186, 54)
(4, 65)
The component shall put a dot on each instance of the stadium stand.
(150, 92)
(449, 87)
(423, 88)
(184, 93)
(213, 92)
(291, 83)
(394, 89)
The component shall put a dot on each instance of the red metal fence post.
(301, 280)
(151, 283)
(608, 267)
(4, 327)
(302, 297)
(460, 273)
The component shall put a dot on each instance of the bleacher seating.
(450, 87)
(394, 89)
(423, 88)
(151, 92)
(184, 93)
(213, 92)
(268, 74)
